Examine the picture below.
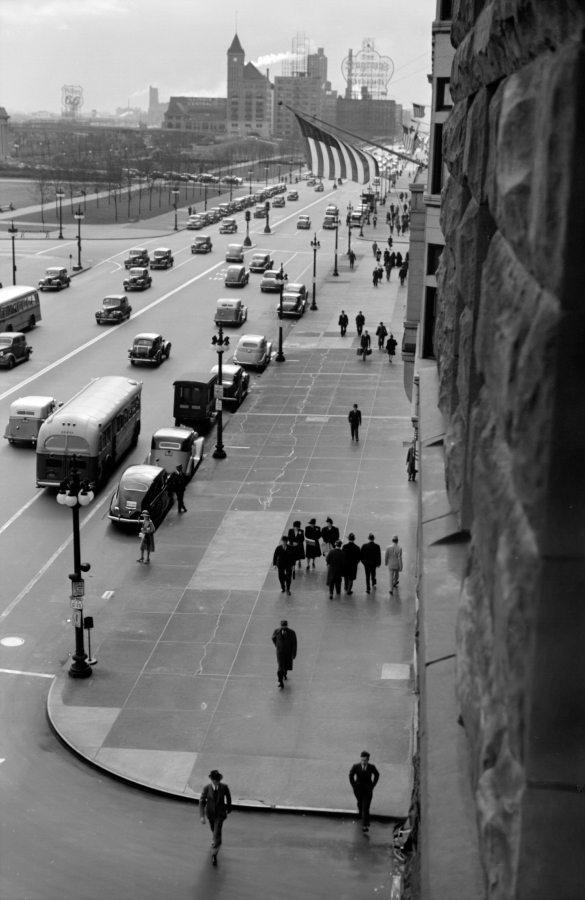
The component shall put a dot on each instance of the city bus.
(98, 425)
(20, 308)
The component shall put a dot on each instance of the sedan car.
(292, 304)
(296, 287)
(55, 278)
(162, 259)
(304, 222)
(320, 187)
(13, 349)
(149, 348)
(230, 312)
(235, 382)
(228, 226)
(330, 221)
(195, 223)
(236, 276)
(202, 244)
(235, 253)
(138, 256)
(271, 281)
(138, 280)
(253, 350)
(176, 445)
(261, 262)
(278, 202)
(140, 489)
(292, 195)
(260, 211)
(115, 309)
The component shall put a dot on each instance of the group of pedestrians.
(398, 217)
(391, 260)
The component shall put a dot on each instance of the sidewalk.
(186, 679)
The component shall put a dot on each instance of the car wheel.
(59, 286)
(168, 351)
(132, 362)
(11, 362)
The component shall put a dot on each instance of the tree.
(41, 191)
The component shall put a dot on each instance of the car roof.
(173, 431)
(202, 377)
(138, 250)
(162, 250)
(236, 267)
(56, 269)
(261, 254)
(34, 402)
(144, 472)
(252, 337)
(295, 286)
(115, 297)
(227, 369)
(271, 273)
(150, 335)
(202, 237)
(231, 301)
(11, 334)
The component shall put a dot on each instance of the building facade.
(199, 115)
(249, 96)
(368, 118)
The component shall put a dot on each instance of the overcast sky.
(115, 49)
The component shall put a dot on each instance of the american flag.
(408, 138)
(418, 111)
(330, 157)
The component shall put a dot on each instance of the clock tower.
(235, 72)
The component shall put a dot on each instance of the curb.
(80, 271)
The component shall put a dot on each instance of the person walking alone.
(391, 344)
(146, 538)
(360, 321)
(177, 484)
(343, 322)
(381, 333)
(355, 420)
(312, 542)
(296, 540)
(374, 249)
(365, 344)
(330, 534)
(335, 560)
(375, 277)
(216, 803)
(284, 561)
(352, 555)
(285, 641)
(371, 556)
(402, 275)
(364, 777)
(393, 559)
(411, 462)
(351, 259)
(375, 219)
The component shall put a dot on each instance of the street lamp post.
(75, 493)
(175, 193)
(79, 216)
(267, 226)
(59, 195)
(219, 343)
(13, 232)
(315, 245)
(205, 196)
(266, 173)
(281, 278)
(247, 241)
(335, 272)
(250, 177)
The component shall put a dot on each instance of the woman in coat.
(330, 534)
(146, 538)
(296, 540)
(312, 538)
(391, 347)
(353, 555)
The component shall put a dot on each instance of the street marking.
(12, 642)
(107, 595)
(18, 672)
(58, 247)
(20, 511)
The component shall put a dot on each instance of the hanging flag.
(418, 111)
(330, 157)
(407, 139)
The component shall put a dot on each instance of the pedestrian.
(364, 777)
(285, 641)
(335, 560)
(365, 343)
(391, 344)
(375, 219)
(411, 462)
(390, 242)
(177, 484)
(351, 259)
(312, 542)
(355, 420)
(347, 219)
(397, 225)
(189, 209)
(352, 559)
(381, 333)
(402, 274)
(374, 249)
(146, 536)
(380, 273)
(388, 217)
(216, 803)
(392, 259)
(398, 259)
(388, 270)
(284, 561)
(296, 539)
(393, 559)
(360, 321)
(378, 256)
(330, 534)
(343, 322)
(386, 256)
(371, 556)
(392, 210)
(375, 277)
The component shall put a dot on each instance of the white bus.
(20, 308)
(96, 426)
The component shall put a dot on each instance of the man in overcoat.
(335, 560)
(284, 561)
(343, 322)
(393, 559)
(371, 556)
(355, 420)
(216, 803)
(285, 641)
(363, 777)
(352, 554)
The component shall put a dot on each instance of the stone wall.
(510, 341)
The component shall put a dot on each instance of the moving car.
(271, 281)
(261, 262)
(202, 244)
(292, 304)
(175, 445)
(292, 195)
(278, 202)
(235, 253)
(140, 489)
(26, 417)
(55, 278)
(138, 256)
(253, 350)
(235, 382)
(228, 226)
(115, 309)
(260, 211)
(13, 349)
(138, 280)
(320, 187)
(330, 221)
(236, 276)
(304, 222)
(332, 210)
(230, 312)
(310, 182)
(149, 348)
(162, 259)
(195, 223)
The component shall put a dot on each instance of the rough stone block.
(475, 155)
(454, 449)
(463, 17)
(449, 306)
(454, 200)
(454, 140)
(465, 348)
(495, 108)
(472, 240)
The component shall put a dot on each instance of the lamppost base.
(77, 268)
(267, 229)
(247, 242)
(80, 669)
(279, 357)
(313, 307)
(219, 453)
(335, 272)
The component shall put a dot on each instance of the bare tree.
(42, 190)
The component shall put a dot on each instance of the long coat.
(283, 558)
(353, 556)
(296, 541)
(371, 555)
(285, 641)
(313, 532)
(335, 560)
(147, 529)
(330, 534)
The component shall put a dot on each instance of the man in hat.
(284, 561)
(371, 556)
(352, 554)
(355, 420)
(343, 322)
(330, 534)
(335, 560)
(285, 641)
(363, 777)
(177, 484)
(393, 559)
(216, 802)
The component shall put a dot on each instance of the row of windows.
(119, 422)
(23, 303)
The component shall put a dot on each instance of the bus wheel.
(32, 322)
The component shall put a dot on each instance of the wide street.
(82, 816)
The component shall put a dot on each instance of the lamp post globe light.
(247, 216)
(75, 493)
(315, 244)
(79, 216)
(59, 194)
(13, 231)
(281, 278)
(267, 226)
(219, 343)
(175, 193)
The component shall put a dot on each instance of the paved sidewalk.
(186, 679)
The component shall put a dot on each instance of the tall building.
(304, 86)
(249, 95)
(367, 118)
(4, 119)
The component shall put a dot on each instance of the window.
(430, 319)
(437, 173)
(433, 256)
(56, 442)
(443, 99)
(77, 444)
(446, 9)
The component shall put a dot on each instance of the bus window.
(77, 443)
(56, 442)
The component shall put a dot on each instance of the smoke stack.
(267, 74)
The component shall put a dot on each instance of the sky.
(115, 49)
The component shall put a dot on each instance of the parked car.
(310, 182)
(26, 417)
(140, 489)
(296, 287)
(253, 350)
(278, 202)
(235, 381)
(230, 312)
(304, 222)
(292, 304)
(138, 280)
(162, 259)
(271, 281)
(115, 309)
(261, 262)
(235, 253)
(149, 348)
(236, 276)
(292, 195)
(175, 445)
(216, 213)
(138, 256)
(195, 223)
(228, 226)
(194, 399)
(320, 187)
(202, 244)
(13, 349)
(55, 278)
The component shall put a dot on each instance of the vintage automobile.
(228, 226)
(138, 256)
(214, 215)
(320, 187)
(235, 382)
(304, 222)
(140, 489)
(310, 182)
(194, 399)
(296, 287)
(278, 202)
(202, 244)
(272, 281)
(253, 350)
(332, 210)
(55, 278)
(195, 223)
(138, 280)
(176, 445)
(292, 195)
(230, 312)
(115, 309)
(13, 349)
(149, 348)
(261, 262)
(330, 221)
(292, 304)
(260, 211)
(162, 259)
(26, 417)
(236, 276)
(235, 253)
